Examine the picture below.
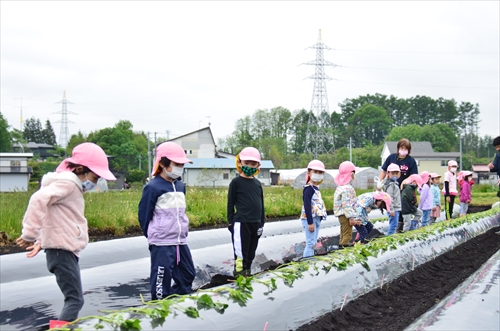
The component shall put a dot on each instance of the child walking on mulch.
(313, 208)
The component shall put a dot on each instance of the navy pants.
(364, 230)
(64, 265)
(245, 240)
(167, 263)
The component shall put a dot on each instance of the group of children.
(55, 221)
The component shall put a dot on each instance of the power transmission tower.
(317, 139)
(64, 133)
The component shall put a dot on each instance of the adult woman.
(407, 164)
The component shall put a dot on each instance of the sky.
(176, 67)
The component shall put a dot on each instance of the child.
(450, 188)
(344, 200)
(425, 204)
(55, 221)
(465, 191)
(246, 223)
(162, 215)
(313, 209)
(436, 198)
(409, 202)
(364, 203)
(392, 188)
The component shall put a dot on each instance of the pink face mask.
(403, 152)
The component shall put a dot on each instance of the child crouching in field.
(55, 222)
(409, 202)
(313, 208)
(364, 204)
(344, 200)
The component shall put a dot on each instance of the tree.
(276, 156)
(5, 137)
(209, 175)
(441, 137)
(298, 131)
(48, 135)
(33, 130)
(75, 139)
(369, 124)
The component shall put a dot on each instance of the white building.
(14, 171)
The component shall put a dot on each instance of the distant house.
(424, 155)
(197, 144)
(42, 150)
(210, 172)
(14, 171)
(484, 176)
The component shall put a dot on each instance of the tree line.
(280, 134)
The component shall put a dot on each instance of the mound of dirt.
(401, 301)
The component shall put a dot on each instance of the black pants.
(245, 240)
(64, 265)
(448, 206)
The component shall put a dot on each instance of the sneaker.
(57, 324)
(497, 233)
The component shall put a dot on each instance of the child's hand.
(35, 248)
(23, 243)
(352, 222)
(392, 213)
(310, 227)
(448, 199)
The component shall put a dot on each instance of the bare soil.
(400, 302)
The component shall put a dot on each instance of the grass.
(117, 210)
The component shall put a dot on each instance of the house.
(484, 176)
(198, 144)
(424, 155)
(216, 172)
(43, 151)
(14, 171)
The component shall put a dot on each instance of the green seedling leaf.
(131, 324)
(192, 312)
(205, 301)
(365, 265)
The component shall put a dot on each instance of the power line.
(440, 86)
(414, 52)
(424, 70)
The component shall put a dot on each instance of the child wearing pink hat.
(344, 200)
(465, 191)
(245, 210)
(313, 208)
(436, 197)
(55, 221)
(364, 204)
(409, 202)
(392, 188)
(163, 219)
(425, 204)
(450, 188)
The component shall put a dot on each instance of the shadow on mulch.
(400, 302)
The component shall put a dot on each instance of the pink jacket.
(465, 191)
(55, 215)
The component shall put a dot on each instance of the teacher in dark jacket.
(407, 164)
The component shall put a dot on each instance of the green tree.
(136, 175)
(276, 156)
(33, 131)
(441, 137)
(75, 139)
(5, 137)
(298, 131)
(48, 135)
(369, 125)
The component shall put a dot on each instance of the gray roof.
(219, 163)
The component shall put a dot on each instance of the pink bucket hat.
(425, 175)
(435, 175)
(315, 165)
(393, 167)
(344, 175)
(452, 163)
(415, 178)
(379, 195)
(171, 151)
(91, 156)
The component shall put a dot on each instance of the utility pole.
(149, 157)
(21, 114)
(322, 142)
(350, 149)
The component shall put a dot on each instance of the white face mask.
(88, 185)
(453, 169)
(176, 172)
(317, 177)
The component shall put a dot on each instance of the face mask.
(453, 169)
(403, 152)
(176, 172)
(317, 177)
(395, 178)
(248, 171)
(88, 185)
